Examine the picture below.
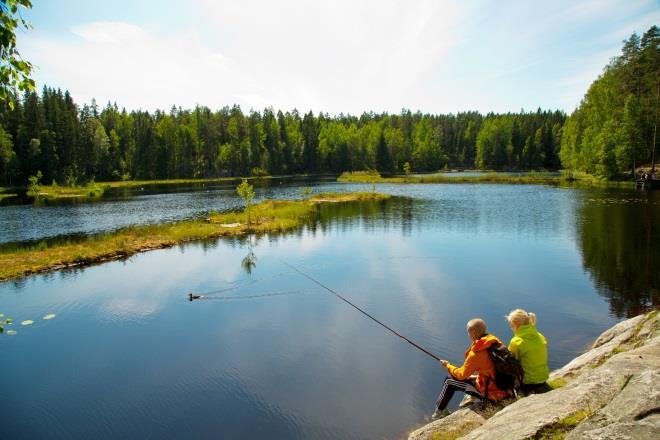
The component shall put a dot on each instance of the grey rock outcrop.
(611, 391)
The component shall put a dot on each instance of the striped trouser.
(450, 386)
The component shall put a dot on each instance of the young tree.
(246, 191)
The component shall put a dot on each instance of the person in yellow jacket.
(477, 360)
(530, 347)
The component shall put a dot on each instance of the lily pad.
(27, 322)
(11, 332)
(49, 316)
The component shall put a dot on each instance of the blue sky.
(335, 56)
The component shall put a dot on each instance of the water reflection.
(249, 262)
(620, 243)
(129, 357)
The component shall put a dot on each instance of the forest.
(612, 131)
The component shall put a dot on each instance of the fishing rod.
(338, 295)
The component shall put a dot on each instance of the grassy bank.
(142, 183)
(538, 178)
(268, 216)
(91, 190)
(97, 189)
(6, 193)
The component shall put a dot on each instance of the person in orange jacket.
(477, 360)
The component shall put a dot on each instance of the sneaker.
(438, 414)
(468, 400)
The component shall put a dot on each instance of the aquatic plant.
(4, 322)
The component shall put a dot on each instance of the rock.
(452, 426)
(633, 413)
(624, 327)
(607, 345)
(594, 390)
(612, 391)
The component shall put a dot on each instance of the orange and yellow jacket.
(478, 360)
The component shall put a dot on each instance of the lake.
(269, 353)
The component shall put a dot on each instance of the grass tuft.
(556, 383)
(559, 429)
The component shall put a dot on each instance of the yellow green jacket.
(531, 349)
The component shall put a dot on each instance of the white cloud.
(333, 57)
(115, 61)
(345, 55)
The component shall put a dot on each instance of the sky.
(339, 56)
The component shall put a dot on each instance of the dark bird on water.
(193, 296)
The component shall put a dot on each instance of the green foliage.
(614, 130)
(14, 70)
(8, 163)
(73, 145)
(494, 147)
(246, 191)
(258, 172)
(33, 186)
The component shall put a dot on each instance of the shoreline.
(576, 180)
(267, 217)
(96, 190)
(609, 391)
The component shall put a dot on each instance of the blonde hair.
(520, 317)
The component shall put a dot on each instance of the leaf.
(49, 316)
(27, 322)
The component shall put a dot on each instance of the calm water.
(271, 354)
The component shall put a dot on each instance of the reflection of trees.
(390, 213)
(249, 262)
(620, 249)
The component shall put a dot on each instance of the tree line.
(49, 133)
(612, 130)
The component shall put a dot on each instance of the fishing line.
(338, 295)
(236, 285)
(258, 295)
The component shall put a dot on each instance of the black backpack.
(508, 370)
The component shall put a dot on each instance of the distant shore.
(95, 190)
(532, 178)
